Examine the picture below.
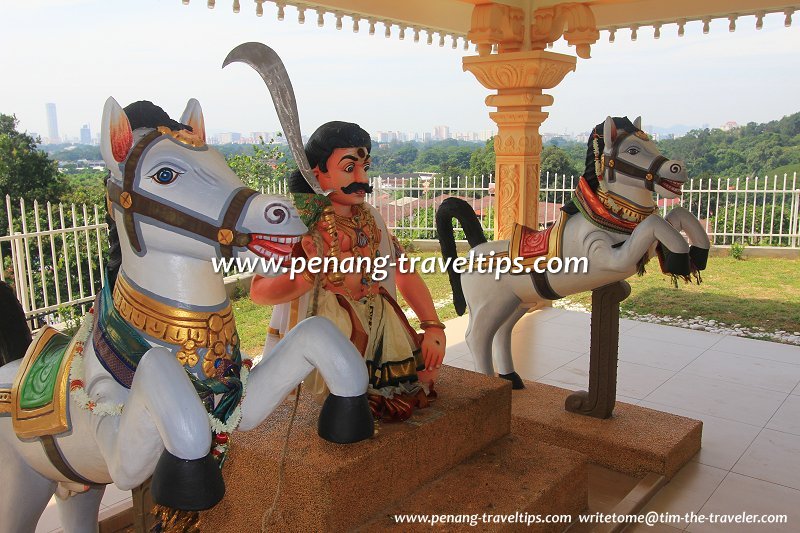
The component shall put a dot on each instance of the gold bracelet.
(308, 276)
(425, 324)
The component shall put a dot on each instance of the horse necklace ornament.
(153, 383)
(612, 221)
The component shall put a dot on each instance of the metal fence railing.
(55, 255)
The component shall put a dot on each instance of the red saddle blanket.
(528, 244)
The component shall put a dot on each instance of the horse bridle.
(613, 165)
(135, 203)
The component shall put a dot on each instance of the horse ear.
(638, 122)
(116, 137)
(193, 117)
(609, 132)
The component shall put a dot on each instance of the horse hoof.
(676, 263)
(516, 381)
(344, 420)
(699, 257)
(187, 484)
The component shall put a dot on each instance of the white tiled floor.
(746, 392)
(114, 501)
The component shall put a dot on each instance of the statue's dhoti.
(381, 333)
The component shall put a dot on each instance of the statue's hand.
(433, 344)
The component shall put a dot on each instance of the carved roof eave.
(448, 21)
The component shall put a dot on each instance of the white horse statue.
(612, 221)
(153, 383)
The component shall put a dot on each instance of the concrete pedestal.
(635, 440)
(332, 487)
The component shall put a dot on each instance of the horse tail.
(14, 333)
(114, 252)
(460, 210)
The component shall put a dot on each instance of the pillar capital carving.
(532, 69)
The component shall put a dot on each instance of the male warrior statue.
(401, 363)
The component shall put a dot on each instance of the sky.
(77, 53)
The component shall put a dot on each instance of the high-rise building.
(86, 134)
(441, 132)
(229, 137)
(52, 124)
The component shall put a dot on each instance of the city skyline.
(393, 86)
(439, 133)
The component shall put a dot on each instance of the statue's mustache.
(356, 186)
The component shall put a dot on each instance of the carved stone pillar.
(518, 78)
(519, 71)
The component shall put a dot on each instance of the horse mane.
(141, 114)
(145, 114)
(14, 333)
(622, 123)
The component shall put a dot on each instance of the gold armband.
(425, 324)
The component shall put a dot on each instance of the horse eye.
(632, 150)
(165, 176)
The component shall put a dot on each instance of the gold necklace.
(190, 330)
(623, 208)
(361, 236)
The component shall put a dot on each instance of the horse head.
(173, 196)
(632, 165)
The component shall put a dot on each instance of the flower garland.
(221, 430)
(77, 391)
(598, 162)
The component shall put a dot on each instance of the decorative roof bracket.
(574, 21)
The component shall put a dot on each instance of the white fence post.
(21, 274)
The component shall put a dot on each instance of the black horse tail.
(114, 252)
(15, 337)
(460, 210)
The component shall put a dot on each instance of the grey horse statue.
(612, 221)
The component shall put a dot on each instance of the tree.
(86, 186)
(555, 172)
(556, 161)
(25, 171)
(266, 166)
(483, 160)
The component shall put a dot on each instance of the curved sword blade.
(266, 62)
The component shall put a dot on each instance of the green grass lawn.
(753, 292)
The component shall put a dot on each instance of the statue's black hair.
(323, 142)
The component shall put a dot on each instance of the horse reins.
(133, 203)
(613, 165)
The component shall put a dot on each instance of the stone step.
(517, 478)
(635, 440)
(332, 487)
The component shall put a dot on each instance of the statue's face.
(347, 169)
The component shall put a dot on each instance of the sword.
(267, 63)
